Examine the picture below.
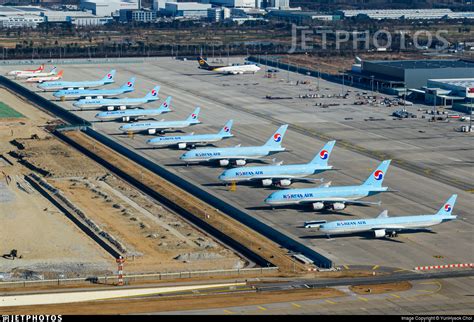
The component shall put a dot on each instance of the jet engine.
(240, 162)
(267, 182)
(181, 145)
(285, 182)
(379, 233)
(126, 118)
(122, 107)
(81, 88)
(151, 131)
(318, 205)
(88, 97)
(110, 108)
(100, 97)
(223, 163)
(338, 206)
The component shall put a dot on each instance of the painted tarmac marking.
(262, 308)
(228, 312)
(296, 305)
(375, 267)
(363, 299)
(330, 302)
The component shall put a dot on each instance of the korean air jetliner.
(161, 126)
(184, 140)
(120, 103)
(239, 155)
(52, 72)
(282, 175)
(136, 113)
(384, 225)
(28, 71)
(333, 197)
(66, 94)
(56, 86)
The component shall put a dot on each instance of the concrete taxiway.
(435, 147)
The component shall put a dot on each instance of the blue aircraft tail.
(109, 78)
(193, 117)
(165, 106)
(225, 131)
(322, 157)
(129, 86)
(448, 206)
(277, 137)
(376, 178)
(153, 94)
(53, 70)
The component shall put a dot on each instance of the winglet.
(383, 214)
(277, 138)
(225, 131)
(322, 157)
(448, 206)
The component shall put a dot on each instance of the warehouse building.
(108, 7)
(187, 9)
(379, 14)
(400, 74)
(455, 92)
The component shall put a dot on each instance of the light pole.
(319, 76)
(470, 117)
(288, 65)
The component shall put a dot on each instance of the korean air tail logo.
(109, 76)
(226, 129)
(447, 207)
(165, 104)
(323, 154)
(193, 116)
(129, 84)
(277, 137)
(378, 175)
(153, 92)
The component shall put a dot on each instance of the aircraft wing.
(389, 227)
(346, 201)
(234, 157)
(289, 177)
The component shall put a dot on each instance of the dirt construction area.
(49, 245)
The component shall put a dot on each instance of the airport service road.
(417, 194)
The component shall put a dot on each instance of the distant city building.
(187, 9)
(20, 21)
(379, 14)
(300, 17)
(108, 7)
(280, 4)
(218, 14)
(90, 21)
(63, 16)
(235, 3)
(137, 16)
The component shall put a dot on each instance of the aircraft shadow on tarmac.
(206, 164)
(367, 235)
(173, 147)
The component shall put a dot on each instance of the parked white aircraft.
(45, 78)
